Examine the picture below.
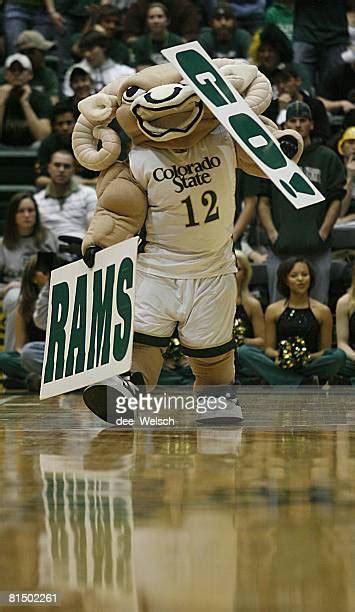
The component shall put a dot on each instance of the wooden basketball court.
(259, 518)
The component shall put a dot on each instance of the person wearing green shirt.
(147, 48)
(224, 38)
(306, 231)
(35, 46)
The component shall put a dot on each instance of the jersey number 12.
(209, 198)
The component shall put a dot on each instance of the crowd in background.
(54, 53)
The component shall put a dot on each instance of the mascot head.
(157, 109)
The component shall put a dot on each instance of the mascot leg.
(147, 362)
(219, 370)
(102, 398)
(213, 370)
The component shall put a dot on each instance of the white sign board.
(230, 108)
(90, 320)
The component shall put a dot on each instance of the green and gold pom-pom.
(173, 351)
(239, 331)
(293, 353)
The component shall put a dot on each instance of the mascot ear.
(85, 139)
(90, 129)
(254, 86)
(99, 108)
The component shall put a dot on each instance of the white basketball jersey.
(191, 207)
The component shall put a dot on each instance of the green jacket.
(236, 47)
(298, 229)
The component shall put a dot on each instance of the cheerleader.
(298, 333)
(249, 325)
(345, 322)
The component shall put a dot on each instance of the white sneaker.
(101, 398)
(230, 416)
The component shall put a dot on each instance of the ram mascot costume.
(179, 185)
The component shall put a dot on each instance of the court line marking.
(6, 399)
(23, 404)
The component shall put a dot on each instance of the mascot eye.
(132, 93)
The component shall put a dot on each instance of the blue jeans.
(18, 18)
(32, 356)
(317, 59)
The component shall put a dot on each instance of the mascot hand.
(289, 145)
(89, 255)
(72, 245)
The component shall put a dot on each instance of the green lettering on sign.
(60, 306)
(297, 182)
(247, 128)
(78, 330)
(101, 319)
(124, 308)
(205, 77)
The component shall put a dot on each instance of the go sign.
(230, 108)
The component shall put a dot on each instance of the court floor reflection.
(258, 518)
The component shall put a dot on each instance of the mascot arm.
(121, 208)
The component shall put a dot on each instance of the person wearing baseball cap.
(81, 84)
(298, 109)
(35, 46)
(24, 112)
(287, 81)
(306, 231)
(19, 58)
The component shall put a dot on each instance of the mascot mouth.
(171, 124)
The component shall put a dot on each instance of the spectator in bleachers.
(32, 353)
(24, 112)
(107, 20)
(147, 48)
(183, 15)
(65, 206)
(337, 87)
(225, 38)
(69, 19)
(25, 329)
(20, 15)
(345, 322)
(320, 35)
(24, 235)
(45, 80)
(81, 84)
(249, 325)
(306, 231)
(271, 51)
(288, 85)
(346, 148)
(304, 324)
(280, 13)
(63, 122)
(102, 69)
(250, 14)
